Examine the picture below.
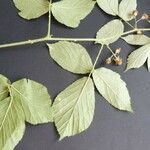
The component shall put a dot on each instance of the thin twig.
(111, 51)
(96, 60)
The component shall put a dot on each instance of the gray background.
(110, 129)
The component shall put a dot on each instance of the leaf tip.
(61, 138)
(130, 110)
(127, 69)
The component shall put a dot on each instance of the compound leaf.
(74, 108)
(31, 9)
(137, 58)
(112, 88)
(135, 39)
(24, 100)
(126, 9)
(109, 6)
(34, 99)
(110, 32)
(71, 56)
(71, 12)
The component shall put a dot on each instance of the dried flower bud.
(135, 13)
(139, 32)
(108, 61)
(145, 16)
(118, 50)
(118, 61)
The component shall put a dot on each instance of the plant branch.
(23, 42)
(129, 24)
(96, 60)
(44, 39)
(111, 51)
(89, 77)
(126, 22)
(49, 20)
(135, 30)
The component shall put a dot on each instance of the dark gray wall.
(111, 129)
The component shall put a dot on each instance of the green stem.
(135, 24)
(23, 42)
(135, 30)
(138, 20)
(111, 51)
(65, 39)
(129, 24)
(49, 20)
(96, 60)
(126, 22)
(89, 77)
(74, 39)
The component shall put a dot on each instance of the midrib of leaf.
(107, 85)
(7, 111)
(127, 5)
(85, 84)
(24, 97)
(3, 92)
(77, 101)
(64, 7)
(111, 90)
(112, 9)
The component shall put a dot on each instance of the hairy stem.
(66, 39)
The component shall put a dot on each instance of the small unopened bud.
(118, 61)
(108, 61)
(139, 32)
(118, 50)
(145, 16)
(135, 13)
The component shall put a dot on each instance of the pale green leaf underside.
(135, 39)
(12, 124)
(112, 88)
(110, 32)
(109, 6)
(71, 12)
(31, 9)
(4, 92)
(126, 9)
(74, 108)
(26, 101)
(137, 58)
(71, 56)
(34, 99)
